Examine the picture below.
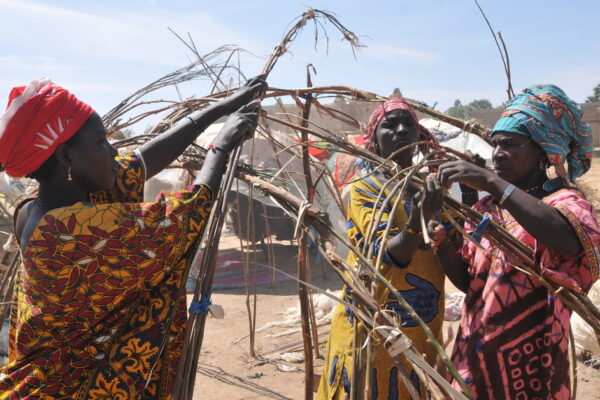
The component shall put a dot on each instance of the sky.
(435, 51)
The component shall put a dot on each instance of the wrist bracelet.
(507, 192)
(411, 231)
(215, 149)
(195, 123)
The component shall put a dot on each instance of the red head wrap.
(392, 104)
(38, 118)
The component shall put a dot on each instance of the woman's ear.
(62, 155)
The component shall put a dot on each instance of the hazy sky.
(433, 50)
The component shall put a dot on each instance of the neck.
(404, 162)
(534, 183)
(60, 194)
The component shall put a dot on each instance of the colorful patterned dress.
(93, 314)
(421, 283)
(513, 337)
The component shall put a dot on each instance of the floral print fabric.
(99, 309)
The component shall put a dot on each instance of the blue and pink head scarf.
(553, 121)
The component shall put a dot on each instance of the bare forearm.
(454, 266)
(212, 170)
(402, 247)
(161, 151)
(545, 223)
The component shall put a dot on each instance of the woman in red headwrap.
(99, 310)
(409, 265)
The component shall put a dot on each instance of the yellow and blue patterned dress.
(99, 308)
(421, 283)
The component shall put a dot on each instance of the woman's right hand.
(476, 159)
(429, 201)
(239, 125)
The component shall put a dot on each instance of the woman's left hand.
(465, 173)
(437, 233)
(253, 89)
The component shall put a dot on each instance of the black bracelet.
(195, 123)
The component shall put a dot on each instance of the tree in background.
(595, 96)
(466, 111)
(458, 110)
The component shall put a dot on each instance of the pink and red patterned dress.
(513, 337)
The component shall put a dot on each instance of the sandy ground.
(228, 371)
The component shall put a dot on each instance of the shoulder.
(565, 196)
(21, 216)
(366, 184)
(364, 180)
(573, 204)
(25, 221)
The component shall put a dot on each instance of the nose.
(401, 128)
(498, 153)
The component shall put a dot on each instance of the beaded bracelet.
(215, 149)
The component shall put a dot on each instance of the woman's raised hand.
(475, 158)
(253, 89)
(469, 195)
(437, 233)
(239, 126)
(429, 200)
(465, 173)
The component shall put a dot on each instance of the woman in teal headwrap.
(512, 342)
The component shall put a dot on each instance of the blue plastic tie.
(201, 307)
(479, 229)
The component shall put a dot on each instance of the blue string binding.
(201, 307)
(479, 229)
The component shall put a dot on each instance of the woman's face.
(517, 158)
(397, 129)
(93, 164)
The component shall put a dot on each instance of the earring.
(542, 165)
(69, 177)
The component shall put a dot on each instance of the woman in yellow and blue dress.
(410, 266)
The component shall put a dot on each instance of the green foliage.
(466, 111)
(481, 104)
(595, 96)
(458, 110)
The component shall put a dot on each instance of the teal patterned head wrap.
(553, 121)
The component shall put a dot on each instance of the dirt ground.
(228, 371)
